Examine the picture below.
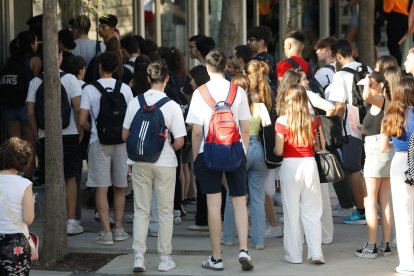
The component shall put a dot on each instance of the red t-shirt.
(284, 66)
(291, 150)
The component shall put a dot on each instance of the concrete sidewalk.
(190, 249)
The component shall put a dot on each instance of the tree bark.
(230, 28)
(365, 39)
(69, 9)
(55, 242)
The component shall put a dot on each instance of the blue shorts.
(211, 181)
(14, 114)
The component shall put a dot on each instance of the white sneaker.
(166, 263)
(245, 260)
(404, 271)
(98, 219)
(139, 263)
(177, 217)
(273, 232)
(342, 212)
(120, 234)
(73, 227)
(216, 266)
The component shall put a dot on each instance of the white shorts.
(107, 165)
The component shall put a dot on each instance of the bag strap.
(19, 223)
(292, 62)
(349, 70)
(118, 85)
(141, 100)
(162, 101)
(207, 96)
(317, 130)
(232, 94)
(99, 87)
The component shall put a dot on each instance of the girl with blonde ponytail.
(299, 178)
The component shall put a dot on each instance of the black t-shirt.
(270, 60)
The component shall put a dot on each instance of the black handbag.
(332, 129)
(329, 168)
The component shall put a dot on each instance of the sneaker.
(139, 263)
(384, 249)
(245, 260)
(404, 271)
(341, 212)
(273, 232)
(196, 227)
(105, 239)
(259, 247)
(73, 228)
(120, 234)
(227, 243)
(369, 251)
(318, 261)
(213, 265)
(177, 217)
(355, 218)
(111, 220)
(166, 263)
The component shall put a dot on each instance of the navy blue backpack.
(147, 132)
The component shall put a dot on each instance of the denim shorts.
(14, 114)
(377, 164)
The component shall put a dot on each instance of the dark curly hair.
(15, 153)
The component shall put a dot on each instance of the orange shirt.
(398, 6)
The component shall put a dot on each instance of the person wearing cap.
(293, 47)
(258, 38)
(107, 26)
(85, 47)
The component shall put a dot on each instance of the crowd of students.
(135, 73)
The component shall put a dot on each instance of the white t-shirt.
(174, 122)
(341, 88)
(12, 187)
(86, 48)
(199, 112)
(73, 89)
(325, 75)
(91, 101)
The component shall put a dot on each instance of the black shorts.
(211, 181)
(71, 152)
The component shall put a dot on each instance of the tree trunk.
(230, 28)
(55, 242)
(365, 40)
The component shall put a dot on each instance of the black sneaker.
(384, 249)
(369, 251)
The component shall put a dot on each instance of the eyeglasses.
(251, 39)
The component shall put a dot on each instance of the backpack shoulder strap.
(162, 101)
(292, 62)
(349, 70)
(99, 86)
(141, 100)
(206, 96)
(118, 85)
(62, 74)
(232, 94)
(84, 85)
(330, 66)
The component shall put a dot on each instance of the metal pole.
(158, 22)
(138, 17)
(243, 31)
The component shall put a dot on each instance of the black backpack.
(66, 108)
(13, 85)
(148, 132)
(111, 114)
(357, 90)
(316, 87)
(92, 72)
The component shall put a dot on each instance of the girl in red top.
(299, 178)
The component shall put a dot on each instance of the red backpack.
(223, 150)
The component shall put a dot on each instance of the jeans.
(256, 171)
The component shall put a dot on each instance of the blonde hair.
(242, 81)
(290, 77)
(299, 119)
(257, 72)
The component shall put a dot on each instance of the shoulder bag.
(32, 238)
